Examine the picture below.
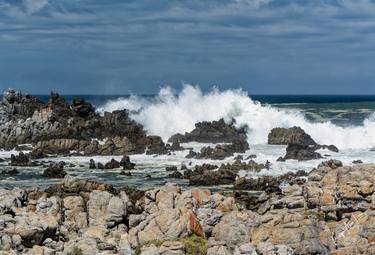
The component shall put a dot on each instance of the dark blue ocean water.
(343, 110)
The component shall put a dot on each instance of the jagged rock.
(112, 164)
(300, 145)
(20, 160)
(92, 164)
(176, 146)
(176, 174)
(55, 170)
(36, 154)
(211, 132)
(82, 108)
(286, 136)
(222, 151)
(357, 162)
(301, 152)
(126, 164)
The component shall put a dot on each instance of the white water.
(169, 114)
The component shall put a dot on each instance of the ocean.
(347, 121)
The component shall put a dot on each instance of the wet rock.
(286, 136)
(332, 163)
(171, 168)
(211, 132)
(20, 160)
(36, 154)
(222, 151)
(12, 171)
(92, 164)
(357, 162)
(301, 152)
(176, 146)
(126, 173)
(55, 170)
(112, 164)
(176, 174)
(100, 165)
(191, 154)
(126, 164)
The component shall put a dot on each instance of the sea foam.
(169, 113)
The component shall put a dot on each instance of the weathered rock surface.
(222, 151)
(300, 145)
(56, 127)
(332, 213)
(211, 132)
(55, 170)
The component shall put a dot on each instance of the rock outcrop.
(300, 145)
(332, 213)
(211, 132)
(56, 127)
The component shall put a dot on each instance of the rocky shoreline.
(332, 213)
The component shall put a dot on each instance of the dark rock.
(2, 160)
(126, 173)
(183, 167)
(333, 163)
(219, 177)
(238, 157)
(357, 162)
(251, 157)
(222, 151)
(55, 170)
(176, 175)
(176, 146)
(286, 136)
(251, 165)
(211, 132)
(171, 168)
(126, 164)
(280, 159)
(92, 164)
(21, 160)
(155, 145)
(301, 152)
(82, 108)
(191, 154)
(100, 166)
(332, 148)
(12, 171)
(112, 164)
(36, 154)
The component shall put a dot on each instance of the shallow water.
(155, 167)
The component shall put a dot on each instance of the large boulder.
(286, 136)
(211, 132)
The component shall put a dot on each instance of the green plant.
(195, 245)
(76, 251)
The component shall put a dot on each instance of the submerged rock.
(12, 171)
(21, 160)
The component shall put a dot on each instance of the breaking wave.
(169, 113)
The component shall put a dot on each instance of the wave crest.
(170, 113)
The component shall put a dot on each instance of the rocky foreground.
(332, 213)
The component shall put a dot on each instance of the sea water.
(345, 121)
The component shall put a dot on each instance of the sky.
(138, 46)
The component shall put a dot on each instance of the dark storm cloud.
(114, 46)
